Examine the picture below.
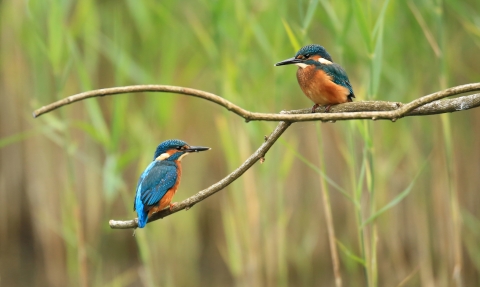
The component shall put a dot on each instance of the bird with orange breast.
(321, 80)
(160, 180)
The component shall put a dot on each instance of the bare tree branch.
(349, 111)
(201, 195)
(427, 105)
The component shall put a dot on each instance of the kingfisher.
(321, 80)
(160, 180)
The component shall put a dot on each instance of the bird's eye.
(179, 147)
(307, 55)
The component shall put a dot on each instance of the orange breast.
(167, 198)
(319, 88)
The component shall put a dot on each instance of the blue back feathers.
(157, 179)
(314, 49)
(339, 76)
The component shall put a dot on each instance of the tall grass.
(346, 204)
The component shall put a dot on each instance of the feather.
(339, 76)
(154, 183)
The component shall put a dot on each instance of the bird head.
(175, 150)
(308, 55)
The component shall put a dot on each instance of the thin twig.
(427, 105)
(201, 195)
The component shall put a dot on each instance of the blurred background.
(403, 197)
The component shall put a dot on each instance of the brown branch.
(201, 195)
(358, 110)
(427, 105)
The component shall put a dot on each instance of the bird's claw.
(326, 110)
(172, 205)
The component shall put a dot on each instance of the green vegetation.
(404, 196)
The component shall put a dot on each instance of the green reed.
(400, 196)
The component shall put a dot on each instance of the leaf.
(317, 170)
(349, 253)
(18, 137)
(378, 52)
(291, 35)
(312, 6)
(363, 24)
(397, 198)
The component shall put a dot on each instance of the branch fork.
(374, 110)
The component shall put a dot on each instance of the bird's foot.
(326, 110)
(172, 205)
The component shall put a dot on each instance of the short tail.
(350, 97)
(142, 214)
(142, 218)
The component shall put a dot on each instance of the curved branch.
(427, 105)
(141, 88)
(201, 195)
(358, 110)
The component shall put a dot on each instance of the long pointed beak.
(197, 148)
(289, 62)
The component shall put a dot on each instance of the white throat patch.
(163, 156)
(180, 158)
(301, 65)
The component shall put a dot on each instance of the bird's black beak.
(289, 62)
(197, 148)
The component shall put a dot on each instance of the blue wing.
(339, 76)
(154, 182)
(140, 180)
